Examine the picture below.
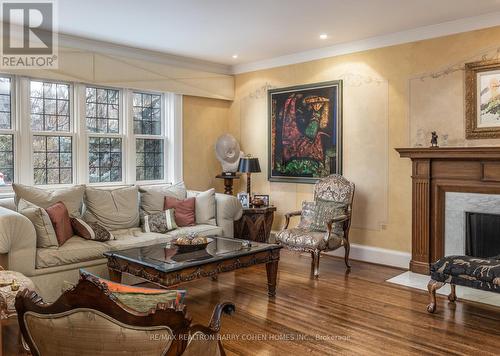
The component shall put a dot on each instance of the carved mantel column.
(435, 172)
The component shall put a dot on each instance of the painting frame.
(473, 75)
(337, 117)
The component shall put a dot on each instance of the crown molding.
(118, 50)
(416, 34)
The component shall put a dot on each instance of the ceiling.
(215, 30)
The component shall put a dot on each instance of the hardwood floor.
(355, 313)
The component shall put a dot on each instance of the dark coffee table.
(163, 264)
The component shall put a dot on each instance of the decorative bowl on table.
(191, 243)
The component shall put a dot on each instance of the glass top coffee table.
(165, 265)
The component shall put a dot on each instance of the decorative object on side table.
(244, 199)
(249, 165)
(260, 200)
(11, 283)
(305, 132)
(482, 99)
(255, 224)
(227, 151)
(434, 139)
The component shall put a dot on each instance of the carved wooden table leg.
(272, 273)
(114, 275)
(452, 297)
(432, 287)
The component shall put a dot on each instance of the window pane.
(6, 159)
(105, 159)
(49, 106)
(5, 105)
(147, 114)
(149, 159)
(52, 160)
(102, 110)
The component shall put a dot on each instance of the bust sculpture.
(227, 151)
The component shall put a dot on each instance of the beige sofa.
(50, 268)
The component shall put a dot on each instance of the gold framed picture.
(482, 99)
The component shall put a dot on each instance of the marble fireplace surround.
(437, 172)
(456, 205)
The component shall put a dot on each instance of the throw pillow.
(113, 208)
(91, 231)
(307, 214)
(72, 197)
(61, 222)
(205, 206)
(160, 222)
(152, 196)
(184, 210)
(326, 210)
(45, 234)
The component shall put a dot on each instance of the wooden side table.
(255, 224)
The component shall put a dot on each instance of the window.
(102, 110)
(105, 140)
(105, 159)
(150, 140)
(54, 132)
(52, 159)
(147, 114)
(52, 139)
(6, 133)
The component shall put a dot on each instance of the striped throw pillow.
(160, 222)
(91, 230)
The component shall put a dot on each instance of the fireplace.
(437, 173)
(482, 238)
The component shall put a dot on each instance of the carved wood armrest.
(225, 307)
(346, 218)
(289, 215)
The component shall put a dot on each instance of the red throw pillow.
(59, 216)
(184, 210)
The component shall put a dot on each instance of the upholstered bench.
(474, 272)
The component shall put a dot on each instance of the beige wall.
(391, 95)
(204, 120)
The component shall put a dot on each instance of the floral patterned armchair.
(324, 223)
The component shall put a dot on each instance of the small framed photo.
(244, 199)
(263, 197)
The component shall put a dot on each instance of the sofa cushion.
(91, 230)
(184, 210)
(204, 206)
(72, 197)
(75, 250)
(113, 208)
(153, 196)
(160, 222)
(45, 233)
(60, 221)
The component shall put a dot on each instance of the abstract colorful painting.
(305, 128)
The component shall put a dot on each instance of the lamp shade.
(249, 165)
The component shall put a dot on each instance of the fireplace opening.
(482, 234)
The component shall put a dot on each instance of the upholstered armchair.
(324, 223)
(89, 320)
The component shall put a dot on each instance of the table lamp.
(249, 165)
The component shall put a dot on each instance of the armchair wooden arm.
(289, 215)
(226, 308)
(345, 219)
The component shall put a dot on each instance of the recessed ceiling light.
(235, 56)
(323, 36)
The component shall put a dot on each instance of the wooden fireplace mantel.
(436, 171)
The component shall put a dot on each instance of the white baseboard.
(377, 255)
